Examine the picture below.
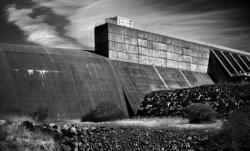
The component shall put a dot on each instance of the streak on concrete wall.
(71, 83)
(67, 82)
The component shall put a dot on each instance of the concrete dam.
(126, 65)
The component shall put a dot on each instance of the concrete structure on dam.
(127, 64)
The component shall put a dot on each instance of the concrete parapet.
(166, 51)
(152, 48)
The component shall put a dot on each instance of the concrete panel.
(131, 49)
(205, 55)
(152, 61)
(185, 51)
(186, 58)
(198, 68)
(121, 47)
(169, 40)
(185, 66)
(130, 40)
(173, 64)
(116, 46)
(152, 53)
(169, 48)
(130, 32)
(142, 34)
(199, 61)
(142, 43)
(137, 80)
(196, 53)
(115, 55)
(150, 45)
(152, 37)
(197, 78)
(173, 78)
(194, 46)
(114, 37)
(174, 56)
(177, 49)
(162, 47)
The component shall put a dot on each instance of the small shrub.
(237, 131)
(21, 139)
(40, 115)
(234, 136)
(105, 111)
(3, 133)
(199, 113)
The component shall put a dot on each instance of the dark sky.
(70, 23)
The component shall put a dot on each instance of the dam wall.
(126, 65)
(137, 46)
(72, 83)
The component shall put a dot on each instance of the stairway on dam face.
(72, 83)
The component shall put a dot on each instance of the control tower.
(121, 21)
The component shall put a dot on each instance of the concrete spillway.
(68, 82)
(71, 83)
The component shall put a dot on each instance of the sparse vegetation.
(3, 133)
(16, 137)
(105, 111)
(234, 136)
(199, 113)
(40, 115)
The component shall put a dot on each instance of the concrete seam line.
(185, 78)
(161, 77)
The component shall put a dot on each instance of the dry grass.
(16, 119)
(176, 122)
(19, 138)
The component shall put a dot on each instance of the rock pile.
(73, 138)
(224, 98)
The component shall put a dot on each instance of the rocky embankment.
(73, 138)
(224, 98)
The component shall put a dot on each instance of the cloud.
(36, 30)
(215, 22)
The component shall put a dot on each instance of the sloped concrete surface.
(73, 83)
(69, 83)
